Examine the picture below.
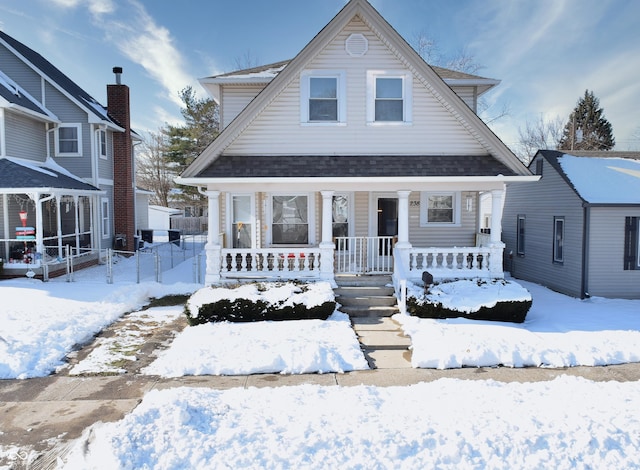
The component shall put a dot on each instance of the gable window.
(439, 209)
(389, 97)
(322, 97)
(632, 243)
(558, 239)
(520, 235)
(105, 218)
(290, 220)
(101, 140)
(68, 140)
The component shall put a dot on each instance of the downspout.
(586, 219)
(3, 144)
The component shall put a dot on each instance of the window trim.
(58, 153)
(521, 233)
(305, 92)
(407, 96)
(103, 151)
(105, 218)
(350, 212)
(424, 209)
(311, 217)
(558, 259)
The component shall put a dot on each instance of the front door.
(381, 253)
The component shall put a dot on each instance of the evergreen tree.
(186, 142)
(587, 128)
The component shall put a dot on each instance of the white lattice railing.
(271, 262)
(450, 262)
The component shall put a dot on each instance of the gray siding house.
(576, 230)
(66, 163)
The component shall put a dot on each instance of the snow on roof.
(23, 98)
(604, 180)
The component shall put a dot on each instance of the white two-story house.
(354, 157)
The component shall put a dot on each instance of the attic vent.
(356, 45)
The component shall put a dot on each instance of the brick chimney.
(123, 166)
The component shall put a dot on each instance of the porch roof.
(307, 166)
(21, 176)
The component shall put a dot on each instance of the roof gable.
(401, 52)
(57, 79)
(598, 180)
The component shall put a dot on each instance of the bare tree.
(539, 135)
(246, 61)
(154, 171)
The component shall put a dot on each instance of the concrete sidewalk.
(40, 416)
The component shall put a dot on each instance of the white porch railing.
(271, 262)
(364, 255)
(450, 262)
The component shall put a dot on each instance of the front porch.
(392, 253)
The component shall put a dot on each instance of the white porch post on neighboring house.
(403, 245)
(326, 245)
(213, 248)
(496, 245)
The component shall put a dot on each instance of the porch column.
(326, 245)
(213, 248)
(402, 247)
(5, 221)
(59, 226)
(496, 245)
(77, 226)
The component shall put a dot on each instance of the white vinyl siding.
(277, 130)
(234, 99)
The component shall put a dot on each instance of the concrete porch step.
(356, 280)
(359, 311)
(366, 296)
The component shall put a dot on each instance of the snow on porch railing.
(450, 262)
(271, 262)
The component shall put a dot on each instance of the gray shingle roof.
(14, 175)
(58, 77)
(238, 166)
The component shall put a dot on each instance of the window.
(558, 239)
(340, 215)
(290, 220)
(520, 235)
(389, 97)
(241, 223)
(322, 97)
(439, 209)
(68, 140)
(632, 243)
(101, 140)
(106, 219)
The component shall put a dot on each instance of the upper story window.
(322, 97)
(101, 139)
(68, 140)
(389, 97)
(440, 209)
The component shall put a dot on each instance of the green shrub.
(246, 310)
(511, 311)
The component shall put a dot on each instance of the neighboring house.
(354, 157)
(66, 162)
(160, 217)
(576, 230)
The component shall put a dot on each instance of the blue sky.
(546, 52)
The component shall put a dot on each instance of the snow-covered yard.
(445, 424)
